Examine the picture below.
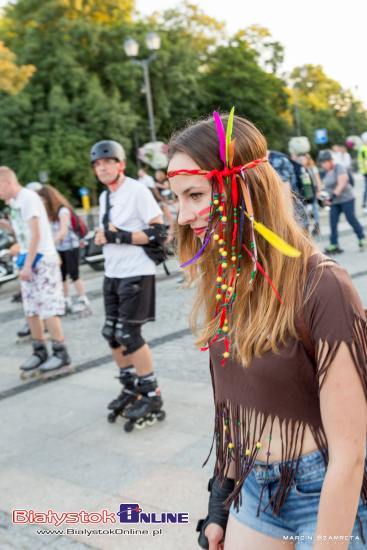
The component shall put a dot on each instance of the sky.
(331, 33)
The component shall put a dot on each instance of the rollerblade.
(31, 367)
(23, 334)
(146, 409)
(58, 364)
(81, 308)
(127, 396)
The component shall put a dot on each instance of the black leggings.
(69, 263)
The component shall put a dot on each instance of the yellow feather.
(276, 241)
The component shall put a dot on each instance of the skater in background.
(67, 242)
(39, 274)
(342, 200)
(129, 219)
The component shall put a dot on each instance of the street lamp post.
(131, 47)
(294, 82)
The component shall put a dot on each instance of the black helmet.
(325, 155)
(107, 149)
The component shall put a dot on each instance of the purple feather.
(200, 252)
(221, 136)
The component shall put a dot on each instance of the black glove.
(216, 511)
(156, 233)
(118, 237)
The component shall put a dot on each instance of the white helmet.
(299, 145)
(34, 186)
(364, 137)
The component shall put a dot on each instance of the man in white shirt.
(130, 219)
(39, 274)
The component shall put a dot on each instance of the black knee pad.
(108, 332)
(129, 336)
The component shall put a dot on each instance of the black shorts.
(131, 300)
(69, 263)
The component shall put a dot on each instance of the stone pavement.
(59, 452)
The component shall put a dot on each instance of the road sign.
(321, 137)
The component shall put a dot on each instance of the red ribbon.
(224, 173)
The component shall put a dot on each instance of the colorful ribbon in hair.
(227, 182)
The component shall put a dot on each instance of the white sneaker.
(81, 305)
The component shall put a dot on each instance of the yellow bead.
(221, 241)
(226, 321)
(230, 289)
(248, 452)
(224, 219)
(224, 253)
(224, 265)
(216, 202)
(221, 208)
(258, 445)
(218, 297)
(225, 428)
(221, 250)
(219, 279)
(225, 329)
(216, 237)
(226, 354)
(224, 287)
(230, 446)
(234, 258)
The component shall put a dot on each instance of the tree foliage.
(83, 88)
(13, 78)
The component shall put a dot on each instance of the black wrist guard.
(118, 237)
(216, 511)
(156, 233)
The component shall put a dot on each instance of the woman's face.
(193, 194)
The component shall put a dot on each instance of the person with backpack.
(286, 334)
(341, 200)
(67, 230)
(284, 168)
(132, 233)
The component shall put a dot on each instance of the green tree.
(269, 52)
(13, 78)
(324, 103)
(65, 106)
(233, 77)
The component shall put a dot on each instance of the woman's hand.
(215, 535)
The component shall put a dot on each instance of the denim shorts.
(298, 515)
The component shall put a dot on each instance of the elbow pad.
(156, 233)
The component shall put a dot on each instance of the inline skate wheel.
(161, 416)
(129, 426)
(151, 420)
(140, 424)
(111, 417)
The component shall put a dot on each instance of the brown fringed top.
(285, 387)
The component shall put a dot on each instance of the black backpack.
(155, 251)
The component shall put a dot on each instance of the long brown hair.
(54, 200)
(258, 321)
